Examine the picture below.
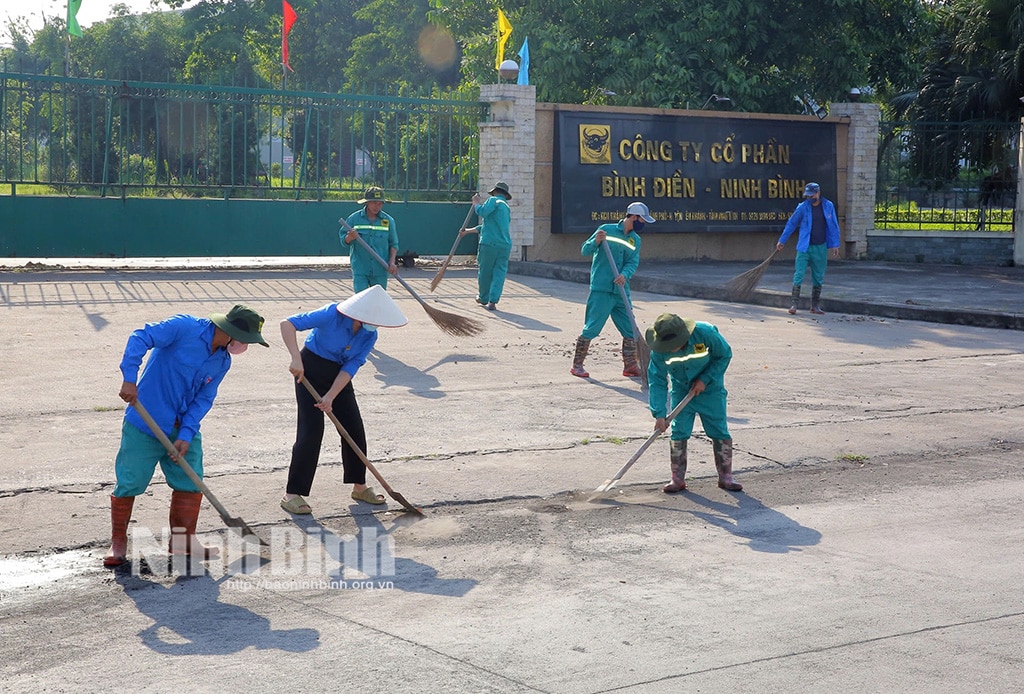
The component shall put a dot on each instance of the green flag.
(73, 28)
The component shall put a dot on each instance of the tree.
(760, 53)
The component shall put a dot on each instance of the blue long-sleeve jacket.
(332, 337)
(802, 219)
(181, 376)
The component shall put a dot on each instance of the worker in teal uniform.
(692, 355)
(495, 244)
(378, 229)
(605, 300)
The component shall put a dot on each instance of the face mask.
(235, 347)
(638, 225)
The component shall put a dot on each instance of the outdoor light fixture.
(508, 70)
(717, 99)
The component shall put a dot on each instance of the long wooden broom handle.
(380, 260)
(650, 439)
(348, 438)
(176, 457)
(458, 237)
(622, 291)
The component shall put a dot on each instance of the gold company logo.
(595, 144)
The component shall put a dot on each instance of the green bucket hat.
(500, 187)
(241, 323)
(669, 333)
(372, 193)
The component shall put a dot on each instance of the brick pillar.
(862, 174)
(507, 152)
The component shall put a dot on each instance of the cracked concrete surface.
(874, 546)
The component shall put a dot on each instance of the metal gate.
(947, 176)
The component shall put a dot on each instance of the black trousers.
(309, 433)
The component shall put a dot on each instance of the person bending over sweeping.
(341, 336)
(690, 355)
(604, 300)
(189, 358)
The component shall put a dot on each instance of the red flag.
(289, 19)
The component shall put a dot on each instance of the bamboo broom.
(444, 266)
(450, 323)
(741, 286)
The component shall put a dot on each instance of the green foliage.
(760, 53)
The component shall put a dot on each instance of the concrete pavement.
(873, 547)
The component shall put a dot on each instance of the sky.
(92, 11)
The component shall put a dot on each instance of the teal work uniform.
(605, 299)
(381, 235)
(706, 356)
(494, 248)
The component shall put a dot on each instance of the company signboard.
(697, 174)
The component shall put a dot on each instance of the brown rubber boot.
(630, 367)
(183, 517)
(677, 457)
(816, 301)
(796, 299)
(723, 463)
(120, 514)
(582, 347)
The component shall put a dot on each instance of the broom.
(608, 484)
(741, 286)
(444, 266)
(643, 352)
(448, 322)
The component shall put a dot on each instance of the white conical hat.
(373, 306)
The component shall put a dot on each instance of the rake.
(362, 456)
(233, 522)
(741, 286)
(450, 323)
(609, 483)
(643, 352)
(444, 266)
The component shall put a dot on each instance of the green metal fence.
(106, 137)
(947, 176)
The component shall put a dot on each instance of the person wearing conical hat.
(341, 336)
(188, 359)
(690, 355)
(378, 229)
(495, 244)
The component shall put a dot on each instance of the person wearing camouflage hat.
(378, 229)
(188, 359)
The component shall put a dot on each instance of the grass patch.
(852, 458)
(107, 408)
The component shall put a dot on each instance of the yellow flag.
(504, 31)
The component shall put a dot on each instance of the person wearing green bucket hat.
(495, 244)
(690, 355)
(188, 359)
(380, 232)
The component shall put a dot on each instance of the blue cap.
(811, 189)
